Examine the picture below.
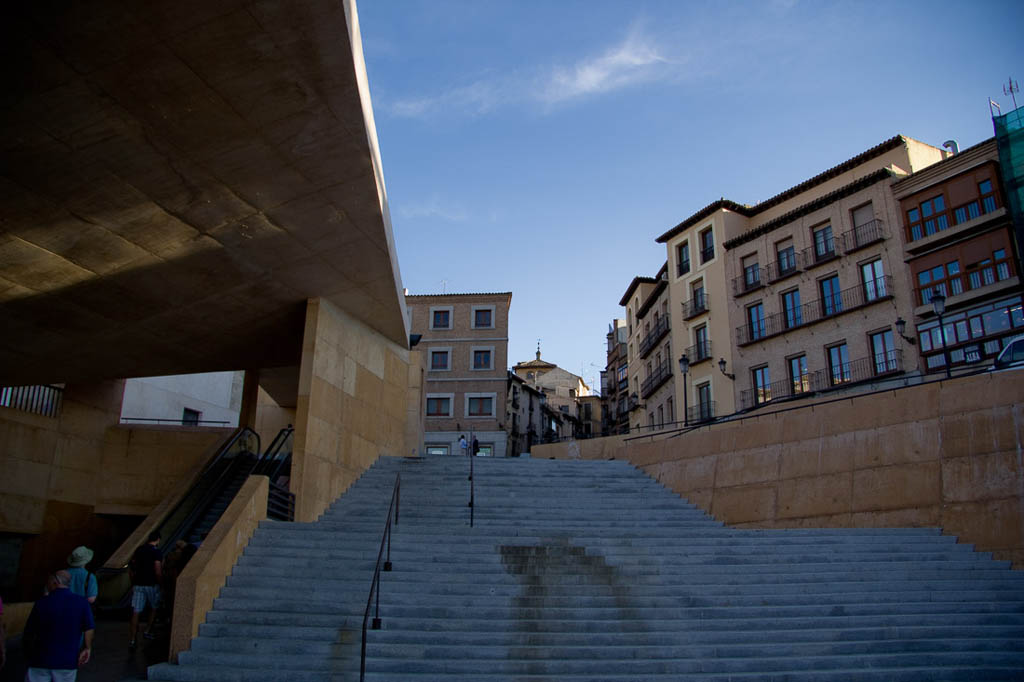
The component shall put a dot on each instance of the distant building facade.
(524, 419)
(615, 380)
(465, 339)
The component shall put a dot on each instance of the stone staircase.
(593, 571)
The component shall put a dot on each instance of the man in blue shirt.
(58, 634)
(82, 581)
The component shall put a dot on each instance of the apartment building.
(524, 418)
(590, 414)
(465, 339)
(798, 293)
(700, 324)
(958, 240)
(561, 388)
(649, 363)
(615, 381)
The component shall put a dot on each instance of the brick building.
(465, 339)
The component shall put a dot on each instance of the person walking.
(146, 574)
(58, 634)
(83, 583)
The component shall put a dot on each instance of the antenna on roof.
(1011, 88)
(444, 286)
(993, 104)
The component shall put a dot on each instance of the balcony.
(815, 255)
(869, 233)
(695, 306)
(701, 413)
(773, 272)
(748, 281)
(699, 352)
(707, 254)
(846, 300)
(623, 384)
(658, 377)
(657, 334)
(682, 268)
(863, 369)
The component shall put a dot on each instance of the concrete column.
(250, 399)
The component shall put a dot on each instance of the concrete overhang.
(177, 179)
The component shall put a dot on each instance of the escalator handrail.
(199, 509)
(269, 463)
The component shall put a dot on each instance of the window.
(436, 449)
(928, 218)
(485, 449)
(698, 295)
(862, 215)
(755, 319)
(883, 352)
(702, 347)
(441, 317)
(482, 358)
(483, 317)
(439, 360)
(988, 198)
(824, 246)
(661, 415)
(831, 299)
(799, 379)
(839, 364)
(705, 407)
(751, 273)
(479, 404)
(190, 417)
(683, 259)
(873, 279)
(762, 385)
(791, 309)
(707, 245)
(439, 404)
(944, 278)
(787, 259)
(622, 373)
(989, 270)
(670, 410)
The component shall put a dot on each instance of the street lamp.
(939, 307)
(721, 366)
(901, 326)
(684, 367)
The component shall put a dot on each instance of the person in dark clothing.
(58, 633)
(146, 573)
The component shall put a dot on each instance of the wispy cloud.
(434, 208)
(637, 59)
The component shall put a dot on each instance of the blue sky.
(541, 147)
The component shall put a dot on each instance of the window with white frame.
(441, 317)
(482, 357)
(440, 404)
(440, 359)
(480, 404)
(483, 317)
(437, 449)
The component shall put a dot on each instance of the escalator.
(209, 496)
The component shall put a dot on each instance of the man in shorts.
(146, 574)
(58, 634)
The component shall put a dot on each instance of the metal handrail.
(472, 483)
(375, 584)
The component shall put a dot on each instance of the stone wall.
(352, 406)
(945, 453)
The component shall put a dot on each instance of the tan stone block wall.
(352, 406)
(207, 571)
(946, 453)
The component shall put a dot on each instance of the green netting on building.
(1010, 140)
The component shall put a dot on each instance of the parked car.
(1011, 356)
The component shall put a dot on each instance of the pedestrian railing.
(383, 564)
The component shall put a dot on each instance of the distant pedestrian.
(58, 634)
(463, 445)
(83, 583)
(146, 573)
(476, 447)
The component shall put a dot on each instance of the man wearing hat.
(83, 583)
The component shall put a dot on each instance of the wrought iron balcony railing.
(863, 235)
(781, 269)
(820, 253)
(654, 336)
(749, 281)
(701, 413)
(871, 291)
(695, 306)
(658, 376)
(883, 364)
(699, 352)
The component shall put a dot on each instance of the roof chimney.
(952, 146)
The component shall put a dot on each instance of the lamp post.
(939, 306)
(684, 367)
(901, 327)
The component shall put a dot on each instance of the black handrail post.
(374, 599)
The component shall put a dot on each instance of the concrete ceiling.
(177, 179)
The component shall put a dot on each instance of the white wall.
(216, 395)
